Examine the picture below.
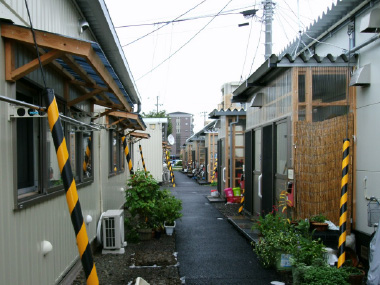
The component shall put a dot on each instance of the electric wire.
(35, 45)
(164, 24)
(257, 47)
(246, 49)
(226, 13)
(174, 53)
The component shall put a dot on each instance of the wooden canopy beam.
(79, 70)
(69, 46)
(124, 115)
(84, 97)
(140, 135)
(34, 64)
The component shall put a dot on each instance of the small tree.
(160, 114)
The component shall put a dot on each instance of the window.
(116, 153)
(38, 173)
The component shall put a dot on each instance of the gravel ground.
(154, 260)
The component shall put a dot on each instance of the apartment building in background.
(182, 129)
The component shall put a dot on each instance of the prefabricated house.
(210, 132)
(230, 147)
(84, 64)
(153, 154)
(320, 90)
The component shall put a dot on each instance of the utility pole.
(157, 104)
(268, 17)
(204, 117)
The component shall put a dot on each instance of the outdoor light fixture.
(88, 219)
(46, 247)
(83, 25)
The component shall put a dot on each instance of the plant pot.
(169, 229)
(145, 234)
(320, 227)
(356, 279)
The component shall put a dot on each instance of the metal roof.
(90, 71)
(338, 14)
(215, 114)
(275, 66)
(96, 14)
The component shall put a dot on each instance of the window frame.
(120, 163)
(43, 190)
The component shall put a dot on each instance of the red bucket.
(229, 192)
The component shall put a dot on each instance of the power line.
(163, 25)
(226, 13)
(196, 34)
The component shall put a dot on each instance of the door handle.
(259, 193)
(224, 170)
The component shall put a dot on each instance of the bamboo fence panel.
(318, 167)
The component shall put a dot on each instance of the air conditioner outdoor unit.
(113, 231)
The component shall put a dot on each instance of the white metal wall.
(152, 148)
(23, 231)
(367, 172)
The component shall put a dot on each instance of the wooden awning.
(140, 135)
(125, 120)
(81, 63)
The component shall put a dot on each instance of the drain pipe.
(231, 161)
(370, 40)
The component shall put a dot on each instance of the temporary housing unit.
(351, 28)
(210, 132)
(85, 65)
(354, 26)
(154, 157)
(230, 147)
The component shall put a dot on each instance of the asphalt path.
(210, 250)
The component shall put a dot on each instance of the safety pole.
(72, 199)
(170, 169)
(214, 171)
(127, 155)
(142, 158)
(87, 155)
(242, 198)
(343, 204)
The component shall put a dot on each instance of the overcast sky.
(185, 63)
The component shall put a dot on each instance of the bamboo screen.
(318, 167)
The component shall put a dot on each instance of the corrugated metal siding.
(24, 230)
(152, 150)
(55, 16)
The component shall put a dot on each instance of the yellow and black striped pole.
(127, 155)
(142, 158)
(72, 199)
(170, 169)
(242, 198)
(87, 155)
(214, 171)
(343, 204)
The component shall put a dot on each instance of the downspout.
(100, 175)
(370, 40)
(231, 160)
(138, 108)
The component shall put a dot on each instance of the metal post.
(214, 171)
(268, 14)
(343, 204)
(127, 155)
(142, 158)
(72, 199)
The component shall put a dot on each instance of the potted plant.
(355, 274)
(318, 222)
(319, 272)
(169, 210)
(141, 195)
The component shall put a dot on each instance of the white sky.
(190, 81)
